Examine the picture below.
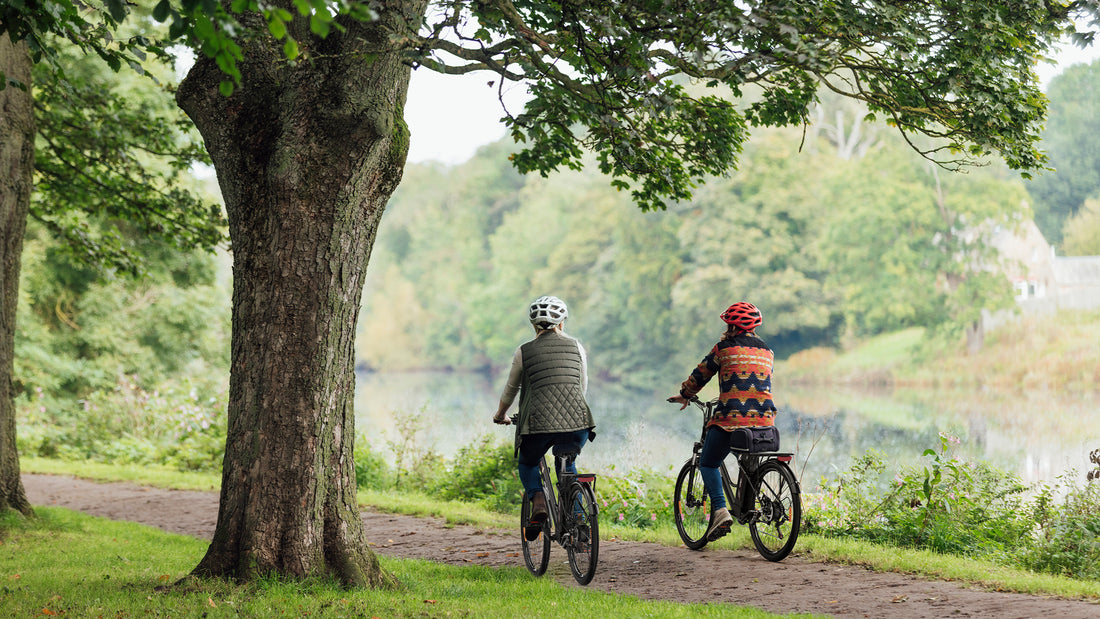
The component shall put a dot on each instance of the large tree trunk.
(307, 155)
(16, 168)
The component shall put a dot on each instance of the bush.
(963, 508)
(484, 472)
(181, 425)
(1067, 540)
(371, 469)
(641, 499)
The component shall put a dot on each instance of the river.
(1036, 435)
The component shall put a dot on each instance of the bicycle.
(577, 530)
(766, 497)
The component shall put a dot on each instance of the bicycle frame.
(556, 499)
(746, 464)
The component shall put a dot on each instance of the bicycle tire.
(584, 534)
(536, 553)
(778, 501)
(691, 507)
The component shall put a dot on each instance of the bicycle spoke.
(691, 507)
(584, 534)
(778, 507)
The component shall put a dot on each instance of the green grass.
(815, 548)
(63, 563)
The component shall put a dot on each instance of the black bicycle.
(766, 497)
(573, 521)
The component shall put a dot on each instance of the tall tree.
(16, 165)
(1069, 139)
(911, 245)
(308, 151)
(100, 159)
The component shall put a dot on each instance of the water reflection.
(1035, 435)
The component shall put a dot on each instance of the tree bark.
(17, 133)
(307, 155)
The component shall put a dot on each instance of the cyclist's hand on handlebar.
(681, 400)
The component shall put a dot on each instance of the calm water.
(1038, 436)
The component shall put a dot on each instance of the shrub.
(1067, 539)
(371, 469)
(485, 472)
(641, 499)
(948, 505)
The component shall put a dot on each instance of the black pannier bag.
(756, 439)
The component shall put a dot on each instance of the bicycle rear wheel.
(536, 552)
(778, 502)
(584, 534)
(691, 507)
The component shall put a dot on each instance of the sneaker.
(720, 522)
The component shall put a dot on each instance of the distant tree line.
(830, 241)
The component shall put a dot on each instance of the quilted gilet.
(551, 399)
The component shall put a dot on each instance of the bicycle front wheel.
(536, 551)
(584, 534)
(691, 507)
(778, 503)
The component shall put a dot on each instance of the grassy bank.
(816, 548)
(1056, 351)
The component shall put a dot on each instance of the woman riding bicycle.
(550, 373)
(743, 363)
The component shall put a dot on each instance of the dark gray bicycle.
(573, 521)
(765, 496)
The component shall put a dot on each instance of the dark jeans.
(716, 446)
(534, 447)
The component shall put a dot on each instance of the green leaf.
(117, 9)
(290, 48)
(225, 87)
(277, 28)
(319, 25)
(162, 10)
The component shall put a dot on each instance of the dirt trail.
(641, 569)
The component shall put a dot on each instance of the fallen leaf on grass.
(46, 611)
(210, 601)
(429, 601)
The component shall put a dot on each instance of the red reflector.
(586, 478)
(784, 458)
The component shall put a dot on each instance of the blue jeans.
(534, 446)
(716, 446)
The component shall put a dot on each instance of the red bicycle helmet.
(743, 315)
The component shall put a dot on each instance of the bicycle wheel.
(536, 552)
(778, 503)
(584, 534)
(691, 507)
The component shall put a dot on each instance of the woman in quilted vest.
(743, 363)
(550, 374)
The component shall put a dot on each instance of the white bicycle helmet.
(548, 311)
